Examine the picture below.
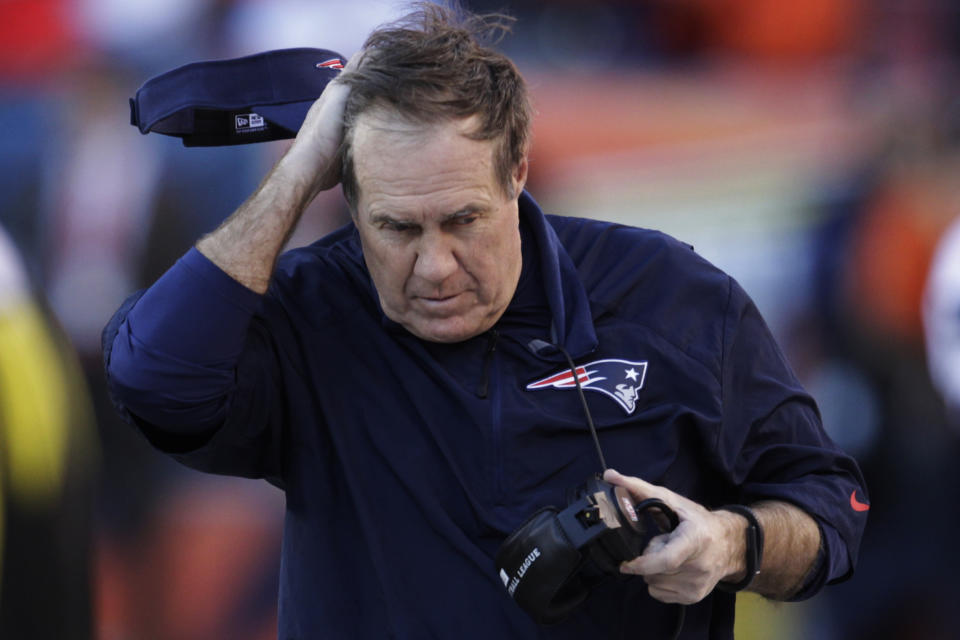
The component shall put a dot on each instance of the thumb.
(639, 489)
(682, 506)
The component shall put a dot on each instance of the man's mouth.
(438, 299)
(440, 304)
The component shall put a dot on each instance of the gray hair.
(433, 66)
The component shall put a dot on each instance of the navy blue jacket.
(406, 463)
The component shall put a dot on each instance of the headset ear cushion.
(538, 566)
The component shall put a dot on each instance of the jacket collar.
(571, 326)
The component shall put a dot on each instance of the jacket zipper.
(489, 390)
(484, 388)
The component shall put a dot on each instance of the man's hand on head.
(247, 244)
(314, 155)
(313, 158)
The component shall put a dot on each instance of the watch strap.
(754, 548)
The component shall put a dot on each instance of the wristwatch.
(754, 548)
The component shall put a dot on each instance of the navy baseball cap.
(255, 98)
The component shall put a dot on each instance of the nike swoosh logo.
(855, 504)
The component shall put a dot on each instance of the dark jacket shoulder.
(652, 279)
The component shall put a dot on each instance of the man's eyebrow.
(386, 217)
(468, 210)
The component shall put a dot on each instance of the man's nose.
(436, 260)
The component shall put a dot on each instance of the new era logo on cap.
(249, 122)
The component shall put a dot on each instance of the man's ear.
(519, 176)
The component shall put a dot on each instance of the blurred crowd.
(811, 149)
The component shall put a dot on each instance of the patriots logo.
(617, 379)
(332, 63)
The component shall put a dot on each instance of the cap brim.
(256, 98)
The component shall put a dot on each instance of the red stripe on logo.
(564, 378)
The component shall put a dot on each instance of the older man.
(404, 380)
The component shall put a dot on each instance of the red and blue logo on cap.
(617, 379)
(332, 63)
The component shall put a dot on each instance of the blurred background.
(811, 149)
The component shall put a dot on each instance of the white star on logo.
(632, 374)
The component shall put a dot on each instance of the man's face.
(440, 237)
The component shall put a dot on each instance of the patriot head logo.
(618, 379)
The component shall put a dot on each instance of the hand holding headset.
(550, 563)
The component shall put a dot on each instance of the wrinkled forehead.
(399, 167)
(386, 136)
(382, 125)
(387, 122)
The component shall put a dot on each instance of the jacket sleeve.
(186, 364)
(772, 443)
